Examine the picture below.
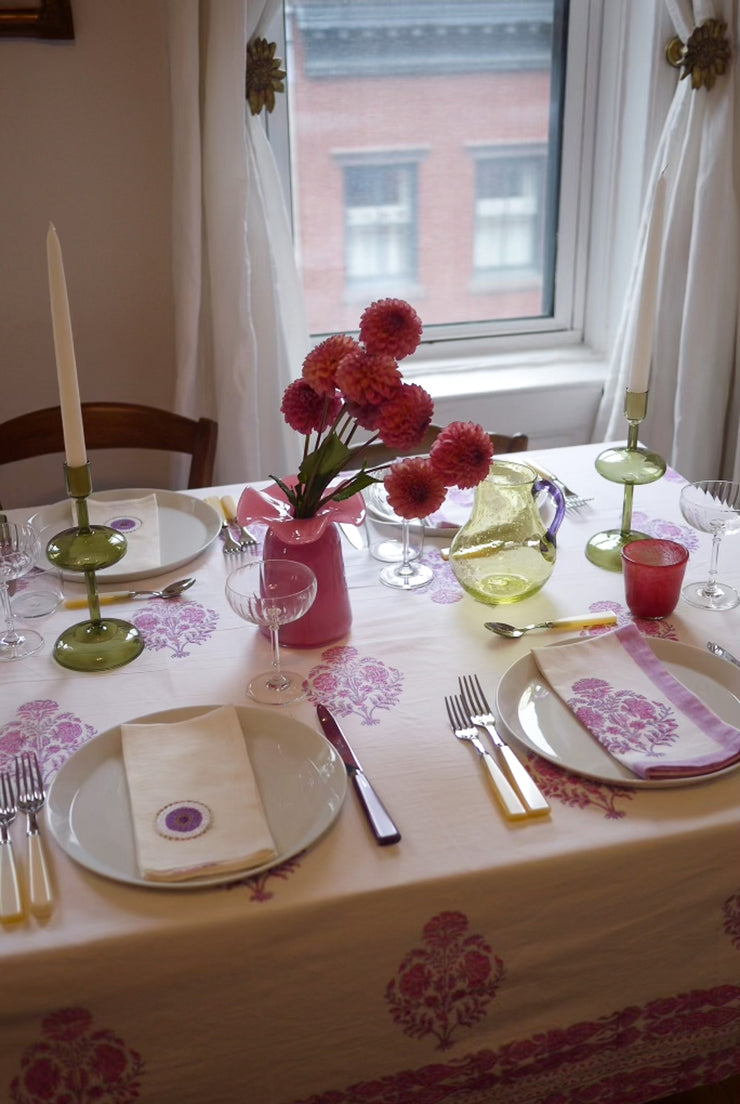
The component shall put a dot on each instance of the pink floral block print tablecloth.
(592, 956)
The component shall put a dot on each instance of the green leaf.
(287, 491)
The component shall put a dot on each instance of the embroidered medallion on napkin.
(138, 520)
(195, 801)
(644, 717)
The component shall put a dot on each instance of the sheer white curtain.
(239, 317)
(694, 401)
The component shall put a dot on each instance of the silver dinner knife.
(384, 830)
(353, 535)
(718, 650)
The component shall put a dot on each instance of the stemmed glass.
(271, 593)
(19, 546)
(408, 574)
(712, 506)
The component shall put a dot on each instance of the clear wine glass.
(408, 574)
(19, 547)
(271, 593)
(712, 506)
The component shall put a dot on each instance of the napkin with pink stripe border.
(644, 717)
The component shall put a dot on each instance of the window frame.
(611, 47)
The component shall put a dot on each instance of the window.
(441, 84)
(379, 228)
(509, 203)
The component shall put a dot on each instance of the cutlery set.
(27, 796)
(225, 507)
(515, 789)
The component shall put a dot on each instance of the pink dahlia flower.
(390, 326)
(462, 454)
(306, 410)
(320, 366)
(368, 379)
(405, 418)
(414, 489)
(365, 416)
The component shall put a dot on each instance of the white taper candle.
(69, 392)
(642, 349)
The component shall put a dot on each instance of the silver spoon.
(172, 590)
(586, 621)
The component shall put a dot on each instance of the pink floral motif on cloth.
(348, 682)
(75, 1063)
(623, 720)
(666, 530)
(576, 791)
(635, 1055)
(258, 883)
(731, 910)
(42, 727)
(175, 625)
(445, 985)
(663, 630)
(444, 588)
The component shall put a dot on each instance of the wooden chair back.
(381, 454)
(116, 425)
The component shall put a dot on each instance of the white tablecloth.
(592, 956)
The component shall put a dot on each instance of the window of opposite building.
(424, 156)
(508, 240)
(380, 201)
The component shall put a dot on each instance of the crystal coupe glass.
(19, 547)
(712, 506)
(271, 593)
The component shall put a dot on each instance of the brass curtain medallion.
(264, 75)
(705, 56)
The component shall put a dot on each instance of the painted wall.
(84, 143)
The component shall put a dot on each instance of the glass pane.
(424, 155)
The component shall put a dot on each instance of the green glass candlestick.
(632, 465)
(102, 643)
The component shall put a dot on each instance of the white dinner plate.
(538, 718)
(301, 779)
(187, 526)
(453, 512)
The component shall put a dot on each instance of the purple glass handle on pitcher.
(557, 496)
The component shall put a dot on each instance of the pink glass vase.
(313, 541)
(330, 616)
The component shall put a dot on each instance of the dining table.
(589, 956)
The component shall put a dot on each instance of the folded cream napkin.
(636, 709)
(195, 802)
(138, 520)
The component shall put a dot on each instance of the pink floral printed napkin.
(636, 709)
(195, 802)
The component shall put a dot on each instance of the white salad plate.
(187, 527)
(537, 718)
(301, 779)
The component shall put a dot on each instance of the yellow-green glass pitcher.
(505, 552)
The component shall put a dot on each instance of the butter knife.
(353, 535)
(718, 650)
(384, 830)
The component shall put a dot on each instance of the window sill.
(552, 395)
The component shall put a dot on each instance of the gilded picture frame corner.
(46, 19)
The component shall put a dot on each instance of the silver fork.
(510, 804)
(573, 500)
(479, 712)
(230, 546)
(247, 541)
(31, 796)
(10, 897)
